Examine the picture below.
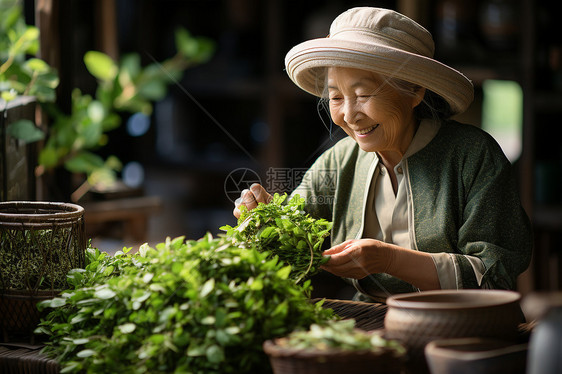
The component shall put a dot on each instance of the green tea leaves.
(284, 272)
(86, 353)
(104, 293)
(342, 336)
(282, 229)
(127, 328)
(207, 287)
(202, 306)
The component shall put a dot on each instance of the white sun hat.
(385, 42)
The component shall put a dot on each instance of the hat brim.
(306, 63)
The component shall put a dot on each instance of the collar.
(426, 132)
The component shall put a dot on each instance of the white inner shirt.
(387, 217)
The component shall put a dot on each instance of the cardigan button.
(382, 170)
(399, 170)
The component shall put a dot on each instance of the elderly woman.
(420, 201)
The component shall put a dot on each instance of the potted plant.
(70, 140)
(23, 82)
(41, 241)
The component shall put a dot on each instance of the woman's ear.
(419, 94)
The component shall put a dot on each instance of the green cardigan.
(463, 196)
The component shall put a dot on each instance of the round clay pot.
(476, 356)
(418, 318)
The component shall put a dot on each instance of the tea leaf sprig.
(283, 229)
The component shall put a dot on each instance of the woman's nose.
(350, 111)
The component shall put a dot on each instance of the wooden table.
(132, 212)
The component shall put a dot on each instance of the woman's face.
(378, 116)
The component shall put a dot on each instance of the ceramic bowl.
(476, 356)
(418, 318)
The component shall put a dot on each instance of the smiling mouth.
(367, 130)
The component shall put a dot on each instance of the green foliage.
(18, 74)
(25, 130)
(184, 306)
(123, 86)
(285, 230)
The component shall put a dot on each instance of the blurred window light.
(138, 124)
(133, 174)
(502, 115)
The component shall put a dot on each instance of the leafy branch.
(72, 139)
(123, 86)
(283, 229)
(20, 75)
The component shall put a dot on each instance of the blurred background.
(235, 118)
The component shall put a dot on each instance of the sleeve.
(494, 227)
(468, 213)
(448, 270)
(318, 187)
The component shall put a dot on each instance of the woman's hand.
(358, 258)
(250, 198)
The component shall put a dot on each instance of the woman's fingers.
(247, 199)
(343, 255)
(250, 198)
(359, 258)
(236, 211)
(339, 247)
(347, 259)
(344, 267)
(260, 194)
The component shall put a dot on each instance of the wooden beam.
(106, 28)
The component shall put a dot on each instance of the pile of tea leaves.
(340, 335)
(186, 306)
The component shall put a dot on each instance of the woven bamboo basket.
(40, 242)
(26, 360)
(368, 317)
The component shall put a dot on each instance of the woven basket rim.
(45, 211)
